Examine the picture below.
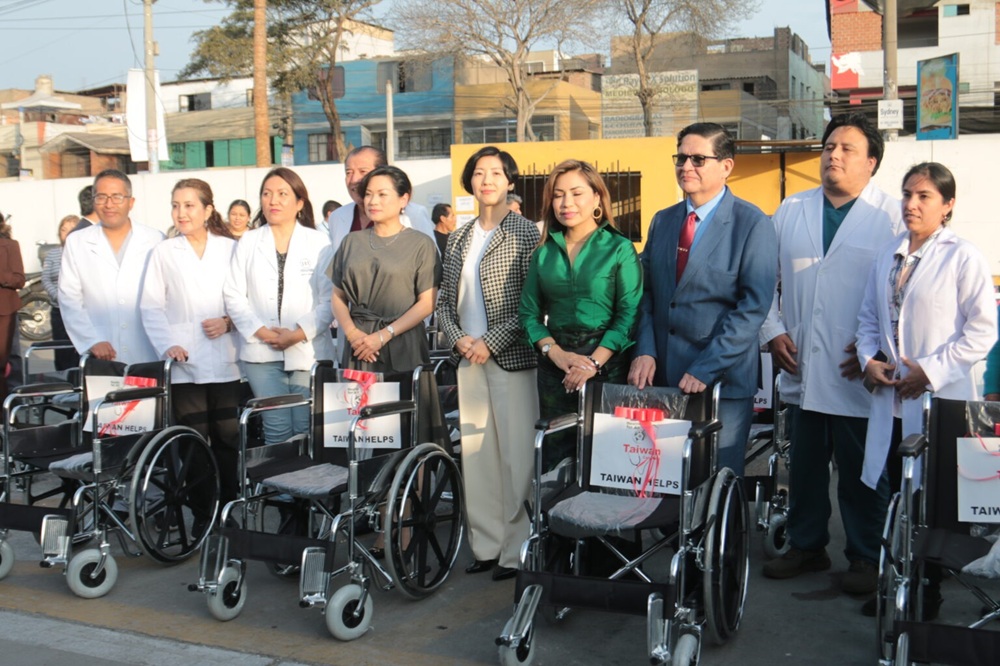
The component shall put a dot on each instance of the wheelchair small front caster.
(340, 613)
(81, 578)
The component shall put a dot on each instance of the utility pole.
(261, 121)
(390, 124)
(889, 46)
(152, 136)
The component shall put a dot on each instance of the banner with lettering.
(979, 479)
(341, 402)
(123, 418)
(638, 450)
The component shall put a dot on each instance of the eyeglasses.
(696, 160)
(116, 199)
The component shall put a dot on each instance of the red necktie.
(684, 243)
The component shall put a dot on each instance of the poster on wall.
(937, 98)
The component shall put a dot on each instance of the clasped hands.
(366, 346)
(280, 338)
(913, 385)
(578, 368)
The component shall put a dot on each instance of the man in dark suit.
(710, 266)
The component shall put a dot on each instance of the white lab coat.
(947, 323)
(182, 290)
(415, 217)
(821, 295)
(251, 294)
(100, 299)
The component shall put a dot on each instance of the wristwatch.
(391, 330)
(545, 348)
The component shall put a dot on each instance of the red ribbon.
(365, 380)
(142, 382)
(649, 466)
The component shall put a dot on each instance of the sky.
(89, 43)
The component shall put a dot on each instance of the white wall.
(225, 94)
(37, 206)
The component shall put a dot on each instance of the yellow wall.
(756, 178)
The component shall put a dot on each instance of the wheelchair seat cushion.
(79, 466)
(315, 482)
(589, 514)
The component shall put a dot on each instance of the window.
(503, 130)
(791, 92)
(196, 102)
(918, 29)
(417, 143)
(321, 147)
(955, 10)
(249, 96)
(409, 76)
(335, 81)
(706, 87)
(748, 88)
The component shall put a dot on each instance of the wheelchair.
(926, 525)
(118, 466)
(703, 518)
(408, 491)
(770, 499)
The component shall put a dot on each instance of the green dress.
(593, 302)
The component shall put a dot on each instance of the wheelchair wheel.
(228, 600)
(174, 494)
(424, 516)
(340, 619)
(726, 556)
(523, 654)
(776, 541)
(6, 559)
(79, 574)
(686, 652)
(891, 598)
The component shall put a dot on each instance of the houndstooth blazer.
(502, 272)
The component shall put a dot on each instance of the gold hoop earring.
(598, 213)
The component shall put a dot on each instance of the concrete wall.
(36, 206)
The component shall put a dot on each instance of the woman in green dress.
(580, 301)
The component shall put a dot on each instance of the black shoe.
(377, 552)
(479, 566)
(503, 573)
(869, 608)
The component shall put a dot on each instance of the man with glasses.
(103, 267)
(709, 268)
(828, 238)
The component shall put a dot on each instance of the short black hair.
(86, 200)
(722, 141)
(329, 207)
(380, 158)
(509, 165)
(876, 145)
(440, 210)
(116, 175)
(400, 181)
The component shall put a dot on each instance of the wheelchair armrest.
(44, 389)
(912, 446)
(556, 422)
(139, 393)
(51, 344)
(703, 429)
(387, 408)
(276, 401)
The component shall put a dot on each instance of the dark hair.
(214, 223)
(722, 141)
(242, 204)
(329, 207)
(876, 146)
(380, 159)
(86, 200)
(440, 210)
(939, 176)
(589, 173)
(509, 165)
(305, 216)
(514, 196)
(116, 175)
(400, 181)
(5, 229)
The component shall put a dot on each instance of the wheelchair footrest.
(949, 644)
(314, 579)
(621, 596)
(55, 537)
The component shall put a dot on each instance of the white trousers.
(498, 410)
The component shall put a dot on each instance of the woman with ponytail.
(184, 314)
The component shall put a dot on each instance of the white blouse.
(182, 290)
